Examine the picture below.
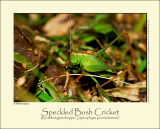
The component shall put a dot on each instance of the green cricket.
(89, 60)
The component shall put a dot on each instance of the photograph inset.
(80, 57)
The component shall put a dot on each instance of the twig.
(31, 69)
(100, 44)
(67, 79)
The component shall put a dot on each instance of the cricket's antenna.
(70, 33)
(56, 74)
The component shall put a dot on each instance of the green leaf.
(141, 23)
(50, 90)
(75, 71)
(40, 21)
(44, 96)
(56, 49)
(87, 38)
(63, 56)
(103, 28)
(101, 89)
(59, 38)
(18, 58)
(142, 66)
(87, 47)
(100, 17)
(103, 92)
(21, 59)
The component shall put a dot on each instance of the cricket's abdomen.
(92, 64)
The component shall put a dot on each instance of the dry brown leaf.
(127, 18)
(132, 76)
(21, 81)
(119, 81)
(109, 51)
(138, 85)
(142, 46)
(87, 94)
(96, 99)
(58, 25)
(143, 95)
(25, 47)
(126, 92)
(120, 94)
(130, 91)
(33, 16)
(41, 39)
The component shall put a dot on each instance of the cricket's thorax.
(88, 60)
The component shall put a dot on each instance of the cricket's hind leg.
(133, 55)
(126, 70)
(73, 81)
(105, 73)
(134, 58)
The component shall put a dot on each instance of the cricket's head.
(74, 58)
